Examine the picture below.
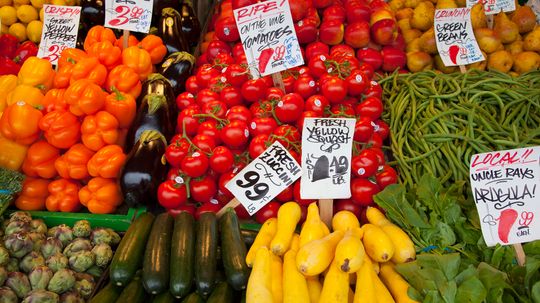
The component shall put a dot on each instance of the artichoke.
(52, 231)
(62, 281)
(64, 234)
(81, 261)
(40, 277)
(38, 226)
(71, 297)
(103, 253)
(3, 275)
(18, 282)
(7, 295)
(115, 237)
(31, 261)
(13, 265)
(18, 244)
(20, 216)
(52, 246)
(57, 262)
(95, 271)
(84, 288)
(4, 256)
(82, 229)
(41, 296)
(101, 235)
(77, 245)
(14, 227)
(38, 239)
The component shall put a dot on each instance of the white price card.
(268, 37)
(504, 186)
(60, 27)
(326, 158)
(264, 178)
(131, 15)
(455, 37)
(492, 7)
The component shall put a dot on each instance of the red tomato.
(194, 165)
(172, 194)
(381, 128)
(236, 74)
(262, 126)
(365, 164)
(268, 211)
(357, 82)
(349, 205)
(192, 86)
(257, 145)
(306, 114)
(306, 30)
(342, 50)
(202, 190)
(235, 134)
(223, 59)
(207, 207)
(254, 90)
(238, 50)
(204, 74)
(226, 30)
(363, 129)
(222, 159)
(223, 180)
(190, 208)
(296, 194)
(287, 135)
(334, 89)
(363, 191)
(288, 83)
(239, 112)
(286, 195)
(317, 66)
(215, 47)
(374, 90)
(204, 142)
(231, 96)
(317, 103)
(209, 128)
(371, 107)
(177, 150)
(375, 140)
(305, 86)
(316, 48)
(241, 212)
(215, 107)
(187, 121)
(274, 93)
(342, 110)
(184, 100)
(370, 56)
(386, 177)
(290, 108)
(380, 154)
(206, 95)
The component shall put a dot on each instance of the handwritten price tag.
(455, 38)
(131, 15)
(505, 187)
(264, 178)
(492, 7)
(326, 158)
(60, 27)
(268, 37)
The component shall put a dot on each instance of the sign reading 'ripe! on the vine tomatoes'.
(60, 26)
(268, 37)
(131, 15)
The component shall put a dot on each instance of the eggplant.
(177, 69)
(153, 114)
(159, 5)
(158, 84)
(170, 31)
(191, 28)
(144, 170)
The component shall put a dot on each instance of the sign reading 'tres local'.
(454, 37)
(268, 37)
(505, 186)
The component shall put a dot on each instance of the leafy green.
(10, 184)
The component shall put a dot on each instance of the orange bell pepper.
(36, 72)
(125, 80)
(54, 100)
(101, 196)
(70, 56)
(155, 47)
(84, 97)
(20, 123)
(107, 54)
(63, 75)
(29, 94)
(107, 162)
(61, 128)
(33, 194)
(97, 34)
(12, 154)
(139, 60)
(99, 130)
(90, 69)
(122, 106)
(63, 196)
(132, 41)
(7, 84)
(73, 164)
(40, 160)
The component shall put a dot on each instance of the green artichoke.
(82, 229)
(3, 275)
(71, 297)
(7, 295)
(95, 271)
(12, 265)
(38, 239)
(82, 260)
(103, 253)
(41, 296)
(64, 234)
(84, 288)
(115, 237)
(18, 244)
(40, 277)
(57, 262)
(4, 256)
(18, 282)
(62, 281)
(38, 226)
(14, 227)
(31, 261)
(101, 235)
(20, 216)
(52, 246)
(79, 244)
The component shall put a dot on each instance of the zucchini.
(206, 254)
(155, 271)
(248, 236)
(130, 252)
(193, 298)
(182, 255)
(133, 293)
(164, 297)
(233, 251)
(108, 294)
(223, 293)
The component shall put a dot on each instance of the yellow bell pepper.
(7, 84)
(29, 94)
(38, 73)
(12, 154)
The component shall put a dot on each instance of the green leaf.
(469, 272)
(535, 292)
(471, 291)
(428, 190)
(412, 272)
(494, 281)
(393, 200)
(532, 248)
(448, 264)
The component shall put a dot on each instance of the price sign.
(505, 187)
(492, 7)
(264, 178)
(326, 158)
(535, 6)
(60, 27)
(455, 38)
(268, 37)
(131, 15)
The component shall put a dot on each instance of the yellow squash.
(395, 283)
(259, 287)
(288, 216)
(312, 228)
(335, 287)
(314, 257)
(344, 220)
(349, 253)
(378, 245)
(383, 295)
(375, 216)
(295, 289)
(365, 289)
(295, 242)
(265, 235)
(277, 278)
(314, 287)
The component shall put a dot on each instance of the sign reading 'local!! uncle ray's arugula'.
(268, 37)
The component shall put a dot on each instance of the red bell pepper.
(8, 66)
(8, 45)
(25, 50)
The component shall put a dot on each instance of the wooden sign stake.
(233, 204)
(326, 210)
(462, 69)
(520, 254)
(278, 81)
(125, 39)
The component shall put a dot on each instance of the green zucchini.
(164, 297)
(193, 298)
(248, 236)
(233, 251)
(108, 294)
(133, 293)
(206, 254)
(129, 255)
(155, 271)
(223, 293)
(182, 255)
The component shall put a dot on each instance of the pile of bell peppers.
(13, 54)
(65, 129)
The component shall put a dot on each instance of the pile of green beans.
(438, 121)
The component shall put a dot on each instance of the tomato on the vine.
(290, 108)
(348, 205)
(374, 90)
(317, 103)
(305, 86)
(254, 90)
(202, 189)
(215, 108)
(363, 129)
(357, 82)
(239, 112)
(194, 165)
(287, 135)
(192, 86)
(382, 128)
(210, 128)
(204, 142)
(371, 107)
(386, 177)
(363, 191)
(262, 126)
(236, 74)
(184, 100)
(223, 180)
(206, 95)
(273, 93)
(187, 122)
(268, 211)
(207, 207)
(205, 73)
(190, 208)
(315, 49)
(222, 159)
(177, 150)
(334, 89)
(365, 164)
(172, 194)
(306, 114)
(235, 134)
(257, 145)
(231, 96)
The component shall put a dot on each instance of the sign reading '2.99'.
(131, 15)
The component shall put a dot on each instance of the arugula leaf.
(393, 200)
(495, 282)
(471, 291)
(535, 292)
